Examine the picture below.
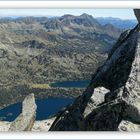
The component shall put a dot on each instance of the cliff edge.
(112, 100)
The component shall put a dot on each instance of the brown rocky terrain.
(36, 51)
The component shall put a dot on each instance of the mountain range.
(117, 22)
(35, 51)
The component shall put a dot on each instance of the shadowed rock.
(119, 76)
(137, 14)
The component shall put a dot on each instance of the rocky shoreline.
(18, 94)
(26, 120)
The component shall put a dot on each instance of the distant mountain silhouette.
(119, 23)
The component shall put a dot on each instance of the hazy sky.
(120, 13)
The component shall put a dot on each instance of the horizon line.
(51, 16)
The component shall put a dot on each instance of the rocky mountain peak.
(112, 98)
(137, 14)
(85, 15)
(67, 16)
(67, 20)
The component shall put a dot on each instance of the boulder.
(128, 126)
(96, 99)
(25, 121)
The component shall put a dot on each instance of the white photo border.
(69, 4)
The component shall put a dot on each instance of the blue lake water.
(45, 108)
(69, 84)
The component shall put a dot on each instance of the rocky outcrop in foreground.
(112, 100)
(25, 121)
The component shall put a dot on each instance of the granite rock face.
(128, 126)
(25, 121)
(137, 14)
(113, 96)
